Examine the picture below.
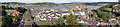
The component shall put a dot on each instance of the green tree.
(75, 16)
(7, 20)
(4, 12)
(60, 21)
(71, 20)
(98, 19)
(104, 15)
(65, 16)
(20, 9)
(6, 7)
(4, 24)
(16, 18)
(106, 9)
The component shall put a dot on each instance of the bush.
(106, 9)
(20, 9)
(104, 15)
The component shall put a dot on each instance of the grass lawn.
(0, 23)
(0, 18)
(46, 23)
(10, 11)
(109, 9)
(24, 18)
(25, 13)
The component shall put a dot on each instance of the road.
(29, 20)
(21, 21)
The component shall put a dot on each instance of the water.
(92, 8)
(48, 7)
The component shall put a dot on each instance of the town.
(30, 15)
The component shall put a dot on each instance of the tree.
(4, 12)
(6, 7)
(110, 5)
(7, 20)
(75, 16)
(4, 24)
(98, 19)
(106, 9)
(20, 9)
(65, 16)
(16, 18)
(93, 14)
(104, 15)
(60, 21)
(71, 20)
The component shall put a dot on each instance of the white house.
(82, 13)
(65, 14)
(43, 19)
(112, 19)
(52, 15)
(82, 22)
(38, 16)
(52, 10)
(57, 14)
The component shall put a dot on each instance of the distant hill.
(90, 3)
(44, 3)
(12, 3)
(97, 3)
(51, 3)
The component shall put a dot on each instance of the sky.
(57, 1)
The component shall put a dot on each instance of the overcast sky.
(57, 1)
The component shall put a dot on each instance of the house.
(116, 8)
(82, 13)
(52, 10)
(56, 17)
(49, 16)
(92, 21)
(103, 23)
(58, 14)
(76, 13)
(37, 16)
(52, 15)
(113, 21)
(43, 19)
(82, 22)
(65, 14)
(16, 13)
(32, 9)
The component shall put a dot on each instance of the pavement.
(29, 21)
